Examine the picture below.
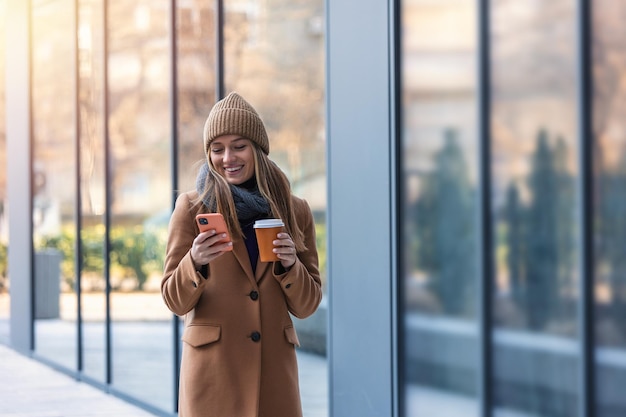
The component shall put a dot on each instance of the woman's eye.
(240, 147)
(216, 150)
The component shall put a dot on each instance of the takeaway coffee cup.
(266, 232)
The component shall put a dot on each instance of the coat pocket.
(292, 336)
(198, 335)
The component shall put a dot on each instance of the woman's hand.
(206, 247)
(285, 249)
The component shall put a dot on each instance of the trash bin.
(47, 283)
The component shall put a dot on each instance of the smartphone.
(208, 221)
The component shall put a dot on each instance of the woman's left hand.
(285, 249)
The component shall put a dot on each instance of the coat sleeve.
(182, 284)
(302, 285)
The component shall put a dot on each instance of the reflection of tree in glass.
(540, 236)
(275, 60)
(138, 123)
(445, 229)
(514, 216)
(566, 221)
(90, 115)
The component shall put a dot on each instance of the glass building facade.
(118, 93)
(463, 160)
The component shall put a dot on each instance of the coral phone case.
(208, 221)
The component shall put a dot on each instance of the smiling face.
(232, 157)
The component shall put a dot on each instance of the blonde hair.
(273, 185)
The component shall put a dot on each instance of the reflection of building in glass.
(535, 209)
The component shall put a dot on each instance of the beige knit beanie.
(233, 115)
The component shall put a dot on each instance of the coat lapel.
(241, 253)
(261, 267)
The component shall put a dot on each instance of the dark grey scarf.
(249, 202)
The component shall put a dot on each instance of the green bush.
(138, 252)
(3, 267)
(135, 253)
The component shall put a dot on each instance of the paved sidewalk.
(29, 388)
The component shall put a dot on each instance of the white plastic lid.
(267, 223)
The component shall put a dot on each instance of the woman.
(238, 355)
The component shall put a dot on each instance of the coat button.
(288, 286)
(256, 336)
(195, 285)
(254, 295)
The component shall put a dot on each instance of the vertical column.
(587, 377)
(219, 48)
(486, 247)
(79, 206)
(107, 194)
(18, 131)
(174, 163)
(361, 223)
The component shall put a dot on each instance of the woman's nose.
(227, 155)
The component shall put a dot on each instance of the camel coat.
(238, 357)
